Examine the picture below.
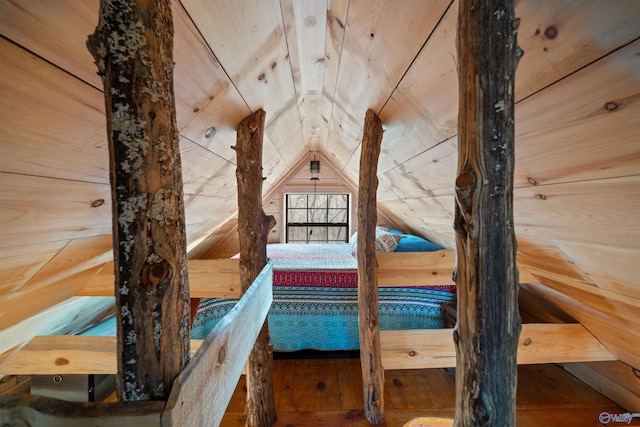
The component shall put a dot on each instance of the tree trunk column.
(370, 355)
(488, 327)
(133, 49)
(253, 229)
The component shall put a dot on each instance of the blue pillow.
(411, 243)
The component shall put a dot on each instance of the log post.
(133, 49)
(488, 326)
(253, 228)
(370, 355)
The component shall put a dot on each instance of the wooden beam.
(68, 355)
(253, 228)
(203, 389)
(370, 360)
(425, 268)
(133, 49)
(538, 343)
(208, 278)
(486, 334)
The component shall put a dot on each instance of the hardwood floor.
(327, 392)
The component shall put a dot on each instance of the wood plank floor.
(327, 392)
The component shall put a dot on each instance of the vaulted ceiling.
(315, 67)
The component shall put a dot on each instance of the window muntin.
(317, 218)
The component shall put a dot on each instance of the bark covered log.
(133, 49)
(253, 229)
(370, 354)
(488, 326)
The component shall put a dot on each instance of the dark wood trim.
(488, 327)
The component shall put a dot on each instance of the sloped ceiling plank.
(306, 25)
(198, 77)
(205, 173)
(43, 27)
(55, 283)
(37, 209)
(381, 40)
(248, 39)
(603, 211)
(610, 267)
(431, 173)
(424, 111)
(560, 37)
(591, 117)
(19, 263)
(337, 12)
(77, 257)
(47, 118)
(214, 127)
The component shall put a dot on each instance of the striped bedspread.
(315, 301)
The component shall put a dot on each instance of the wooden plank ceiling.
(316, 67)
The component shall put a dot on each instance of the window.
(317, 218)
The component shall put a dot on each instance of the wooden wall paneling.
(37, 209)
(56, 282)
(615, 380)
(430, 173)
(559, 38)
(611, 319)
(47, 117)
(79, 258)
(206, 173)
(18, 264)
(423, 110)
(613, 268)
(43, 28)
(306, 26)
(591, 117)
(601, 212)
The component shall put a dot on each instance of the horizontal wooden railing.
(539, 343)
(194, 400)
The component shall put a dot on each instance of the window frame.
(326, 225)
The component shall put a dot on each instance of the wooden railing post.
(488, 326)
(253, 229)
(133, 49)
(370, 356)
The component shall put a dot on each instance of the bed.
(315, 298)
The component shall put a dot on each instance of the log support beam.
(370, 358)
(253, 228)
(488, 327)
(133, 49)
